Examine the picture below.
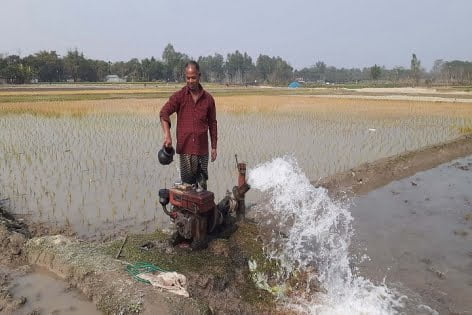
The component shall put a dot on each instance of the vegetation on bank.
(224, 262)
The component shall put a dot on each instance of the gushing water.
(312, 232)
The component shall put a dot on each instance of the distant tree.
(437, 66)
(79, 68)
(282, 72)
(415, 68)
(375, 72)
(174, 62)
(88, 70)
(47, 65)
(152, 69)
(320, 70)
(316, 73)
(458, 72)
(119, 68)
(437, 72)
(212, 68)
(239, 67)
(72, 63)
(102, 69)
(396, 74)
(15, 70)
(134, 70)
(264, 67)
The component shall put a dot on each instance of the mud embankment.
(369, 176)
(219, 280)
(13, 236)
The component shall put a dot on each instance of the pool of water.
(417, 233)
(46, 294)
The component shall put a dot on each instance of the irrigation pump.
(195, 214)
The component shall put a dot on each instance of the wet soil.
(417, 233)
(369, 176)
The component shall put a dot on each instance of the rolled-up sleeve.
(212, 124)
(170, 107)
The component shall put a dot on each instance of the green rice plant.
(101, 167)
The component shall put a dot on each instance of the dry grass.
(58, 93)
(465, 130)
(79, 108)
(354, 106)
(367, 108)
(78, 91)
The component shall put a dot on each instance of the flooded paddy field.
(92, 165)
(417, 233)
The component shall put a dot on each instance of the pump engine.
(195, 214)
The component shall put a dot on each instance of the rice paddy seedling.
(93, 162)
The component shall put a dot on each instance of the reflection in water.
(99, 172)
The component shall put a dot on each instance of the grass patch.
(243, 245)
(80, 97)
(180, 260)
(465, 130)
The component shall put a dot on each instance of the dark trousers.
(194, 169)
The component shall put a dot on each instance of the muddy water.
(99, 173)
(46, 294)
(418, 235)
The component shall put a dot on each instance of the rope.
(142, 267)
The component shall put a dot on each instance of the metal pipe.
(241, 190)
(164, 207)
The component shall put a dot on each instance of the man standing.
(196, 115)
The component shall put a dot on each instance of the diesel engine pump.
(195, 214)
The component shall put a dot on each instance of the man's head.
(192, 75)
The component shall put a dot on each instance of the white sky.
(343, 33)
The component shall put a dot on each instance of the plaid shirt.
(194, 120)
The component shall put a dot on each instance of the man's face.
(192, 76)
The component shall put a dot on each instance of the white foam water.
(312, 232)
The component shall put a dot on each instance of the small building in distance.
(294, 85)
(113, 78)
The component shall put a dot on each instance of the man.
(196, 115)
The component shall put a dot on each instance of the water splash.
(312, 232)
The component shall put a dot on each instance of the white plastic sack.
(170, 281)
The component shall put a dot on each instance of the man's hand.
(166, 130)
(213, 155)
(167, 141)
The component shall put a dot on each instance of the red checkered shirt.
(194, 120)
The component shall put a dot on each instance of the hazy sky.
(344, 33)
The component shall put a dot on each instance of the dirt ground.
(222, 286)
(369, 176)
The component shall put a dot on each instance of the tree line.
(235, 68)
